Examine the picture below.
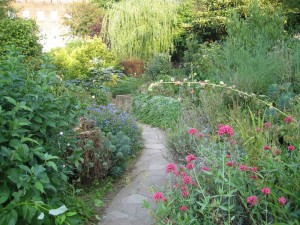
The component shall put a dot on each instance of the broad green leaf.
(12, 217)
(69, 214)
(98, 202)
(4, 193)
(39, 186)
(11, 100)
(25, 168)
(52, 164)
(15, 143)
(23, 121)
(49, 157)
(58, 211)
(38, 170)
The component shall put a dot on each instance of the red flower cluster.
(190, 158)
(183, 208)
(158, 196)
(291, 148)
(171, 168)
(252, 200)
(266, 190)
(192, 131)
(288, 119)
(225, 129)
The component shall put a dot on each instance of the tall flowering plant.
(229, 189)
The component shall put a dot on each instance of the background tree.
(83, 19)
(141, 29)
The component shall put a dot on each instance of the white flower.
(195, 74)
(161, 81)
(93, 96)
(64, 166)
(222, 83)
(68, 144)
(185, 80)
(179, 99)
(172, 79)
(61, 133)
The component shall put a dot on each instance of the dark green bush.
(33, 179)
(158, 111)
(159, 66)
(126, 86)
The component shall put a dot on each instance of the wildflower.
(172, 79)
(228, 156)
(184, 193)
(93, 96)
(282, 201)
(161, 81)
(267, 124)
(266, 190)
(252, 200)
(192, 131)
(184, 188)
(288, 119)
(61, 133)
(225, 129)
(183, 174)
(68, 144)
(158, 196)
(230, 164)
(185, 80)
(170, 168)
(190, 158)
(183, 208)
(267, 147)
(291, 148)
(187, 180)
(205, 168)
(190, 166)
(243, 168)
(254, 177)
(222, 83)
(200, 135)
(254, 169)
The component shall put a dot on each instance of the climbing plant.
(141, 29)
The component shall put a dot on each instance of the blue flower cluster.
(111, 119)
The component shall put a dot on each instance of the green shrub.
(22, 34)
(159, 66)
(126, 86)
(33, 179)
(158, 111)
(75, 61)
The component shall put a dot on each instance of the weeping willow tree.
(141, 28)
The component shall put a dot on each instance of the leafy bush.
(111, 120)
(22, 34)
(126, 86)
(75, 61)
(160, 65)
(33, 179)
(158, 111)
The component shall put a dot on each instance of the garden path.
(126, 208)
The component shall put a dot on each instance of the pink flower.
(176, 173)
(267, 147)
(243, 168)
(192, 131)
(184, 188)
(267, 124)
(200, 135)
(190, 158)
(282, 201)
(230, 164)
(171, 168)
(194, 183)
(228, 156)
(183, 208)
(184, 193)
(258, 130)
(252, 200)
(158, 196)
(183, 174)
(190, 166)
(291, 148)
(254, 177)
(187, 179)
(266, 190)
(225, 129)
(254, 169)
(205, 168)
(288, 119)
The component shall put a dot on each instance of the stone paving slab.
(149, 172)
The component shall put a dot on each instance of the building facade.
(48, 15)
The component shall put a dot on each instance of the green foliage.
(80, 17)
(257, 53)
(139, 29)
(22, 34)
(160, 65)
(4, 8)
(125, 86)
(158, 111)
(33, 180)
(75, 61)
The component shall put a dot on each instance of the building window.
(26, 14)
(40, 15)
(54, 15)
